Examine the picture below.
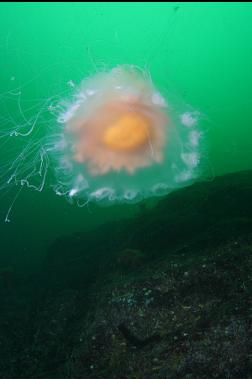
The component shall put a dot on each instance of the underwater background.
(53, 252)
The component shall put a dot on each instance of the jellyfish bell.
(120, 141)
(117, 137)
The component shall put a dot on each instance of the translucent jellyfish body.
(121, 141)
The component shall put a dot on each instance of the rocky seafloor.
(164, 295)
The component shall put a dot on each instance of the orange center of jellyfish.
(128, 133)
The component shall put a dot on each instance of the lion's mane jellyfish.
(120, 140)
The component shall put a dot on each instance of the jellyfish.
(118, 140)
(121, 140)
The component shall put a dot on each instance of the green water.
(201, 52)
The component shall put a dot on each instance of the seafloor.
(166, 295)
